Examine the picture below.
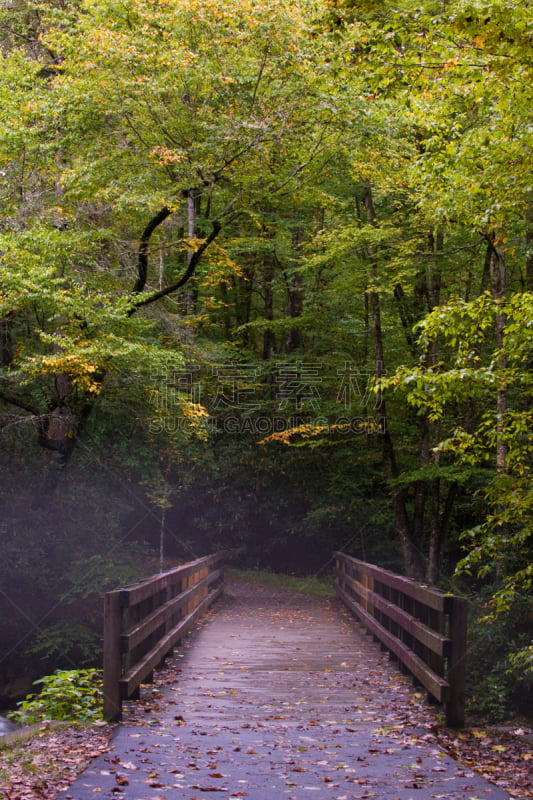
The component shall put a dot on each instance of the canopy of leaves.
(265, 283)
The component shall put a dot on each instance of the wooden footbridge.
(277, 694)
(424, 629)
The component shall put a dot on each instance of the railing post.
(112, 657)
(339, 568)
(455, 707)
(222, 566)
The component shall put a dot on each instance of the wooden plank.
(136, 674)
(136, 594)
(142, 591)
(112, 657)
(149, 624)
(431, 597)
(143, 629)
(132, 595)
(434, 641)
(435, 684)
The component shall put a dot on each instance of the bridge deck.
(277, 695)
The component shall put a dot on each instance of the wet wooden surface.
(278, 695)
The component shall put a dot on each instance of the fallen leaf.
(209, 789)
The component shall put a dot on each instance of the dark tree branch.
(142, 264)
(189, 272)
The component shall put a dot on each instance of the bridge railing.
(142, 623)
(425, 629)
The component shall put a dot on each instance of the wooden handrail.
(424, 628)
(142, 624)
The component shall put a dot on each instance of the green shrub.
(522, 666)
(500, 660)
(72, 695)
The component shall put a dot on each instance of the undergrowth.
(74, 695)
(305, 585)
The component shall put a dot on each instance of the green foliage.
(522, 668)
(69, 695)
(307, 585)
(70, 641)
(499, 659)
(470, 374)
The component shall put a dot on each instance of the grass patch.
(305, 585)
(19, 737)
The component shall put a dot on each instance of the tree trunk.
(406, 318)
(226, 314)
(439, 527)
(6, 342)
(485, 278)
(529, 249)
(497, 276)
(293, 339)
(421, 487)
(411, 557)
(434, 274)
(190, 299)
(269, 339)
(243, 288)
(162, 524)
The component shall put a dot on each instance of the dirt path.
(278, 695)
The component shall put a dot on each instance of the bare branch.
(142, 264)
(189, 272)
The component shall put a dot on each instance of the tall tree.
(149, 129)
